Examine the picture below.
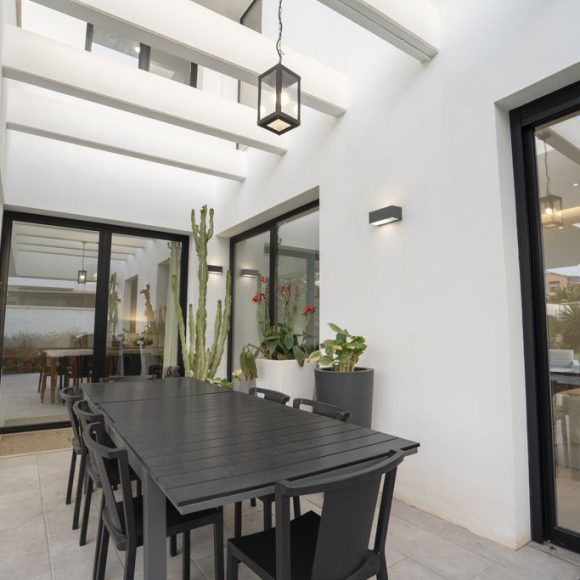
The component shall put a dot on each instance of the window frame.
(270, 226)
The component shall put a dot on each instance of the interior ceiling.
(53, 241)
(231, 8)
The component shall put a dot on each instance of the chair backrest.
(122, 378)
(350, 498)
(325, 409)
(120, 525)
(70, 395)
(270, 395)
(173, 372)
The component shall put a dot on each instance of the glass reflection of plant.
(113, 307)
(155, 322)
(564, 327)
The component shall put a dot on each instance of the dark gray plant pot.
(350, 391)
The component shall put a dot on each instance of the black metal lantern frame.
(281, 112)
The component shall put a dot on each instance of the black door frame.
(270, 226)
(105, 232)
(524, 121)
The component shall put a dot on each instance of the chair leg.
(382, 575)
(86, 512)
(71, 477)
(103, 550)
(238, 519)
(186, 555)
(233, 564)
(130, 559)
(296, 502)
(267, 513)
(98, 543)
(173, 546)
(80, 482)
(218, 547)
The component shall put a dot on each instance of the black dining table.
(200, 446)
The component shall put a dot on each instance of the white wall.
(437, 295)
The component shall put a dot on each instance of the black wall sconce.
(386, 215)
(215, 269)
(247, 273)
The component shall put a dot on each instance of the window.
(275, 275)
(112, 45)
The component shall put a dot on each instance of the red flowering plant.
(278, 341)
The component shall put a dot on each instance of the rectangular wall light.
(215, 269)
(386, 215)
(247, 273)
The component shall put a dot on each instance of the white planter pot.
(287, 377)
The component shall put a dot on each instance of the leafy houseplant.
(341, 382)
(341, 354)
(202, 362)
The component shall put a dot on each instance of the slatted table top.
(204, 446)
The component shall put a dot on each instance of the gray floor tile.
(437, 554)
(408, 569)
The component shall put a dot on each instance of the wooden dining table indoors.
(201, 446)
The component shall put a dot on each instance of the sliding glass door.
(79, 302)
(275, 274)
(546, 141)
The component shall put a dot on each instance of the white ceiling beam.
(38, 114)
(560, 144)
(409, 25)
(39, 61)
(190, 31)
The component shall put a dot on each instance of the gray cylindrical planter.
(350, 391)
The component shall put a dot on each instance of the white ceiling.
(231, 8)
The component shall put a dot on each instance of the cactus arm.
(225, 325)
(213, 361)
(181, 326)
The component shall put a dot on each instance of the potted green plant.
(338, 379)
(278, 361)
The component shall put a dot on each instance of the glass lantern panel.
(289, 101)
(268, 95)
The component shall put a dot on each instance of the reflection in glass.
(250, 292)
(298, 282)
(169, 66)
(49, 321)
(141, 320)
(116, 47)
(559, 206)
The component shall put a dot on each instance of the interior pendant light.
(550, 205)
(82, 275)
(279, 93)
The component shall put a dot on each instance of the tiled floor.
(37, 543)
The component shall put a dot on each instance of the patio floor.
(37, 543)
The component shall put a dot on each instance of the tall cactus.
(201, 362)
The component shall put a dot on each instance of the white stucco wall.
(437, 295)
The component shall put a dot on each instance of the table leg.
(53, 378)
(155, 531)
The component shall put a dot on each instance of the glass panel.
(289, 101)
(298, 282)
(558, 159)
(250, 292)
(169, 66)
(141, 320)
(49, 321)
(111, 45)
(268, 95)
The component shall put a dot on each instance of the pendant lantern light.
(279, 93)
(550, 204)
(82, 274)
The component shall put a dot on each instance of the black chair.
(70, 396)
(276, 397)
(123, 378)
(325, 409)
(88, 474)
(122, 521)
(334, 545)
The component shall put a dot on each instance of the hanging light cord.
(546, 166)
(279, 42)
(83, 265)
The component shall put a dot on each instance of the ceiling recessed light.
(137, 48)
(575, 184)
